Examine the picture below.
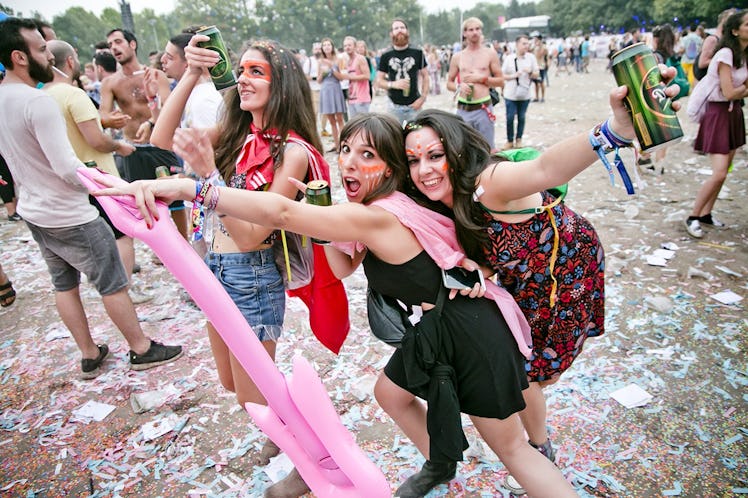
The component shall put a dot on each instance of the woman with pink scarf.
(465, 355)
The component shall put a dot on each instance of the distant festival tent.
(511, 29)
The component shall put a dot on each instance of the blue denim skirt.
(255, 285)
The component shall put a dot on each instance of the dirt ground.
(665, 333)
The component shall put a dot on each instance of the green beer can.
(221, 73)
(318, 193)
(655, 121)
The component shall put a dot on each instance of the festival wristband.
(601, 145)
(202, 190)
(613, 137)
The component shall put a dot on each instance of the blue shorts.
(354, 109)
(89, 249)
(403, 113)
(254, 283)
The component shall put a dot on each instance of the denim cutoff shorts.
(254, 283)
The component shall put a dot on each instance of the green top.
(525, 154)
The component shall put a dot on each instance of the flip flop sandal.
(7, 298)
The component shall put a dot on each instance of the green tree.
(153, 31)
(443, 28)
(81, 28)
(489, 13)
(112, 19)
(237, 20)
(8, 10)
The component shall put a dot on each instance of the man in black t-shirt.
(399, 71)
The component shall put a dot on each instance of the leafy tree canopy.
(298, 23)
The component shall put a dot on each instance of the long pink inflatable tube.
(300, 417)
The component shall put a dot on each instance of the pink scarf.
(436, 233)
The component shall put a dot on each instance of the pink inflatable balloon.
(299, 417)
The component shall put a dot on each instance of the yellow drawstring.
(554, 252)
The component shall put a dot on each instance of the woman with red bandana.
(266, 135)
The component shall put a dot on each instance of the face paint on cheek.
(444, 167)
(372, 174)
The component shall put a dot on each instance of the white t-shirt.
(203, 107)
(519, 88)
(35, 145)
(311, 69)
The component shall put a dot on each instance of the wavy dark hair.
(383, 134)
(289, 108)
(467, 154)
(730, 40)
(665, 37)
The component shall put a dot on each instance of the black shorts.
(7, 192)
(142, 164)
(95, 203)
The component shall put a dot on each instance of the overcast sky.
(50, 8)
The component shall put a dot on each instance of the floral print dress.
(522, 253)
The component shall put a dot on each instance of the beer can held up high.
(655, 121)
(221, 73)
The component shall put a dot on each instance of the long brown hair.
(334, 53)
(289, 108)
(730, 40)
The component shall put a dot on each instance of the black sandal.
(7, 298)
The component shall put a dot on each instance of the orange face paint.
(373, 169)
(256, 69)
(433, 145)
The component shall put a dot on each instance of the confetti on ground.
(691, 439)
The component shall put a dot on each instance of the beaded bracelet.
(213, 201)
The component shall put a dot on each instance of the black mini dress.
(489, 370)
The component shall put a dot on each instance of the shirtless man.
(126, 88)
(540, 50)
(479, 70)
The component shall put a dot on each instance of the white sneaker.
(693, 227)
(512, 485)
(712, 222)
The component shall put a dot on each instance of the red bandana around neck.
(255, 159)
